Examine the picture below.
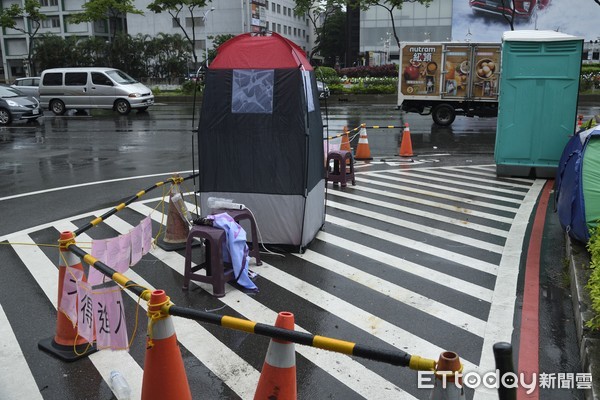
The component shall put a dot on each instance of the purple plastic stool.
(343, 167)
(239, 215)
(216, 274)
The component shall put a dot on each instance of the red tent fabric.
(251, 51)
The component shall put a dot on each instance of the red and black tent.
(260, 137)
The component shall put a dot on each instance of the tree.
(175, 8)
(32, 20)
(331, 41)
(317, 12)
(98, 10)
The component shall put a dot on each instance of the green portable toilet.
(537, 104)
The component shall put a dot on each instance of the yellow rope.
(155, 316)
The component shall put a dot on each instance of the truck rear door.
(456, 75)
(471, 72)
(486, 72)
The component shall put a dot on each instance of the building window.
(278, 28)
(176, 22)
(100, 26)
(273, 7)
(48, 3)
(51, 22)
(284, 10)
(278, 8)
(289, 12)
(197, 22)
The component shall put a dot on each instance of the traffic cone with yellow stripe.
(406, 144)
(177, 230)
(164, 372)
(278, 376)
(66, 344)
(448, 385)
(363, 152)
(345, 140)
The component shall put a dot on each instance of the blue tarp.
(570, 191)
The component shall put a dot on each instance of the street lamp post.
(206, 34)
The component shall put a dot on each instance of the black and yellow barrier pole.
(398, 357)
(133, 198)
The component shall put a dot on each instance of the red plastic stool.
(239, 215)
(343, 167)
(216, 273)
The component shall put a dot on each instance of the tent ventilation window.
(252, 91)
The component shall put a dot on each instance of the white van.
(92, 87)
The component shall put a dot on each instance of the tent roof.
(250, 51)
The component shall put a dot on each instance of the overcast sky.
(576, 17)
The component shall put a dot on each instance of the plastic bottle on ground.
(119, 386)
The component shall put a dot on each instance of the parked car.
(15, 106)
(29, 86)
(523, 9)
(323, 89)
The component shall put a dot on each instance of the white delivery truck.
(446, 79)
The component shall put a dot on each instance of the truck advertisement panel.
(421, 66)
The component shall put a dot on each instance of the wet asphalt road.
(76, 150)
(80, 149)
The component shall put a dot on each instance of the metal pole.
(206, 34)
(504, 364)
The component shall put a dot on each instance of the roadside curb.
(589, 341)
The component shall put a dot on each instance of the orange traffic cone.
(177, 229)
(362, 150)
(65, 344)
(447, 371)
(406, 144)
(278, 376)
(345, 140)
(164, 373)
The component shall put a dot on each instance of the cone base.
(171, 246)
(66, 353)
(363, 158)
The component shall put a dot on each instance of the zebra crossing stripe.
(456, 182)
(435, 204)
(15, 374)
(449, 188)
(467, 261)
(463, 240)
(434, 276)
(435, 194)
(491, 181)
(426, 214)
(436, 309)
